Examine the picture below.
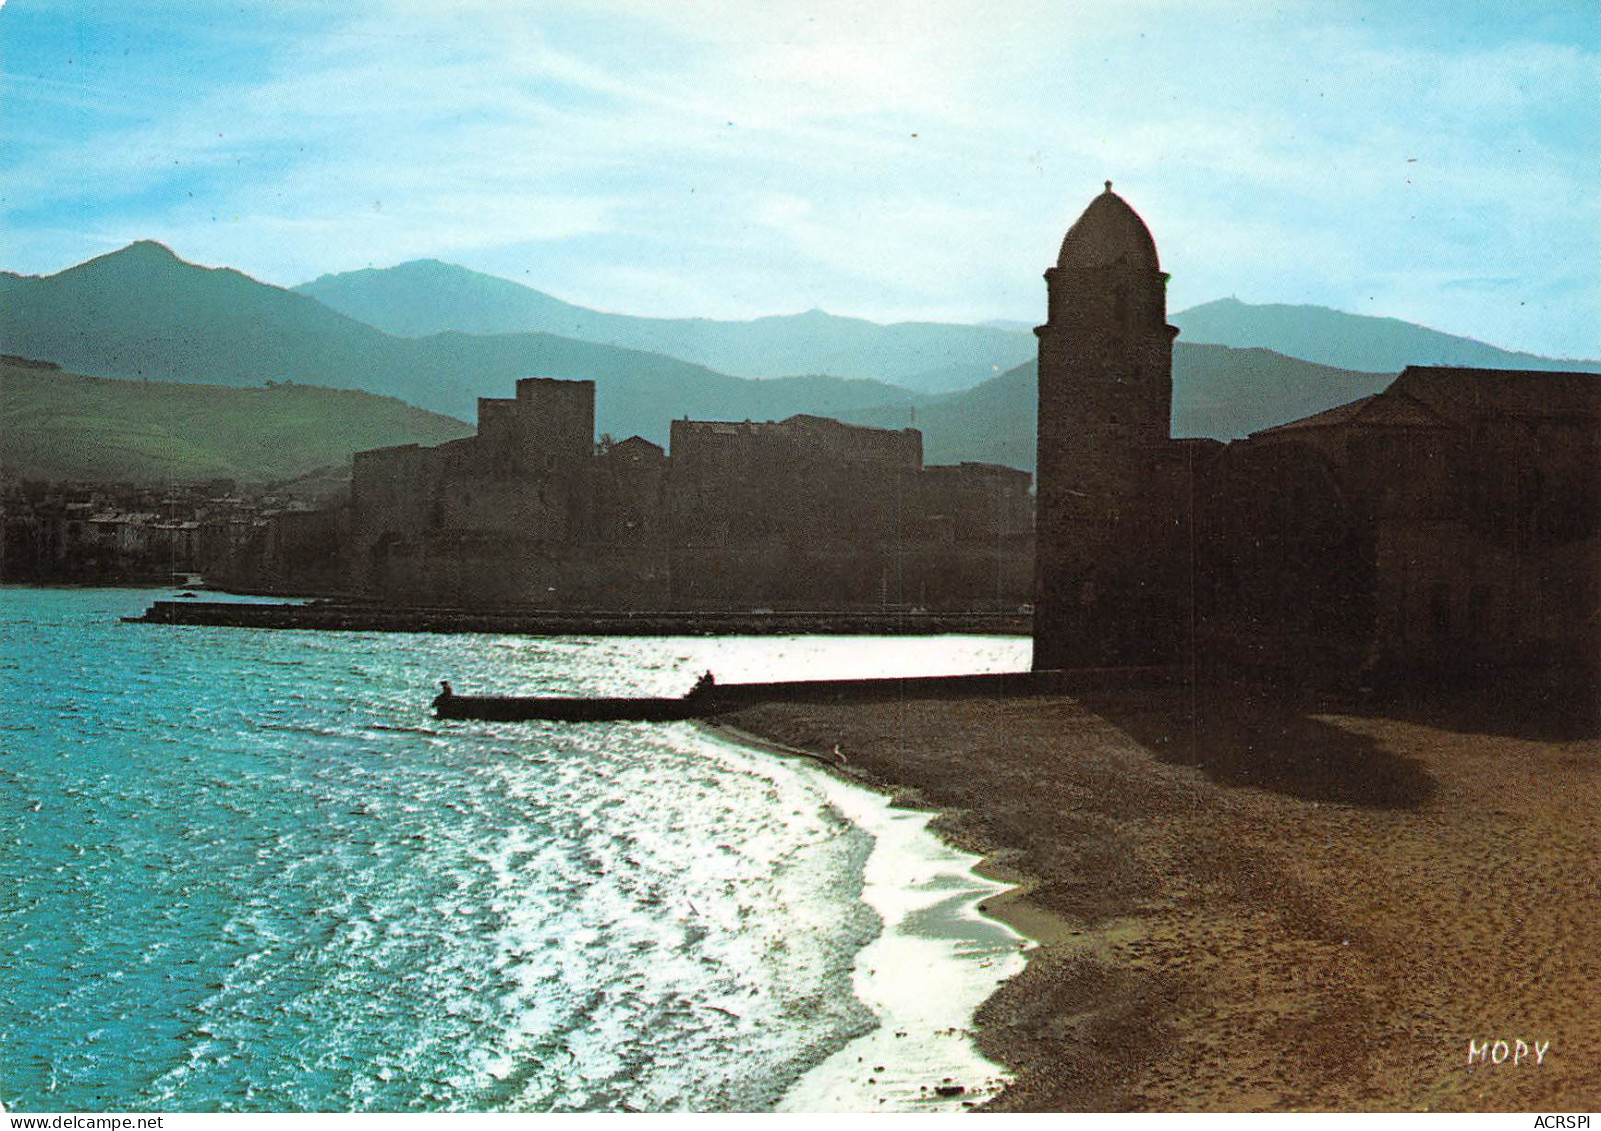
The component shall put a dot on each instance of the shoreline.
(1251, 903)
(1012, 906)
(934, 961)
(863, 1074)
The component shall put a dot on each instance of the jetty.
(707, 700)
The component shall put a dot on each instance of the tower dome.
(1109, 234)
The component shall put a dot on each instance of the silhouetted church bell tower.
(1105, 558)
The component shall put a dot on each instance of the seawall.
(342, 617)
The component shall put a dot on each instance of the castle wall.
(474, 518)
(976, 503)
(800, 480)
(802, 513)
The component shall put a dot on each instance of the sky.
(1434, 161)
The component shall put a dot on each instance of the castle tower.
(1105, 554)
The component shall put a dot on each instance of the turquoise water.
(247, 870)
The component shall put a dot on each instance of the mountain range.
(1218, 392)
(142, 312)
(427, 297)
(1351, 341)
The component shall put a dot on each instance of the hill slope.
(428, 297)
(1218, 392)
(143, 312)
(1350, 341)
(64, 426)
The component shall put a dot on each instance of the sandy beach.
(1248, 904)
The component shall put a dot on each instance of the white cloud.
(763, 157)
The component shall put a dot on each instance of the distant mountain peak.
(148, 247)
(141, 253)
(426, 269)
(814, 314)
(430, 265)
(142, 258)
(410, 267)
(152, 260)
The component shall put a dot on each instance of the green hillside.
(1228, 393)
(64, 426)
(144, 313)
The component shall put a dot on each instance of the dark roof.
(814, 421)
(391, 450)
(1328, 418)
(1109, 234)
(1381, 410)
(1462, 395)
(793, 423)
(730, 426)
(637, 442)
(1431, 396)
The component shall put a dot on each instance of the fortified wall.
(801, 513)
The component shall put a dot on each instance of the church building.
(1111, 506)
(1449, 526)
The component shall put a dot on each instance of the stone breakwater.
(354, 617)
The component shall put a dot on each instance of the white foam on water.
(933, 964)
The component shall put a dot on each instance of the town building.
(124, 532)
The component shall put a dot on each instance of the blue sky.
(1428, 161)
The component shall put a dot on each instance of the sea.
(246, 870)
